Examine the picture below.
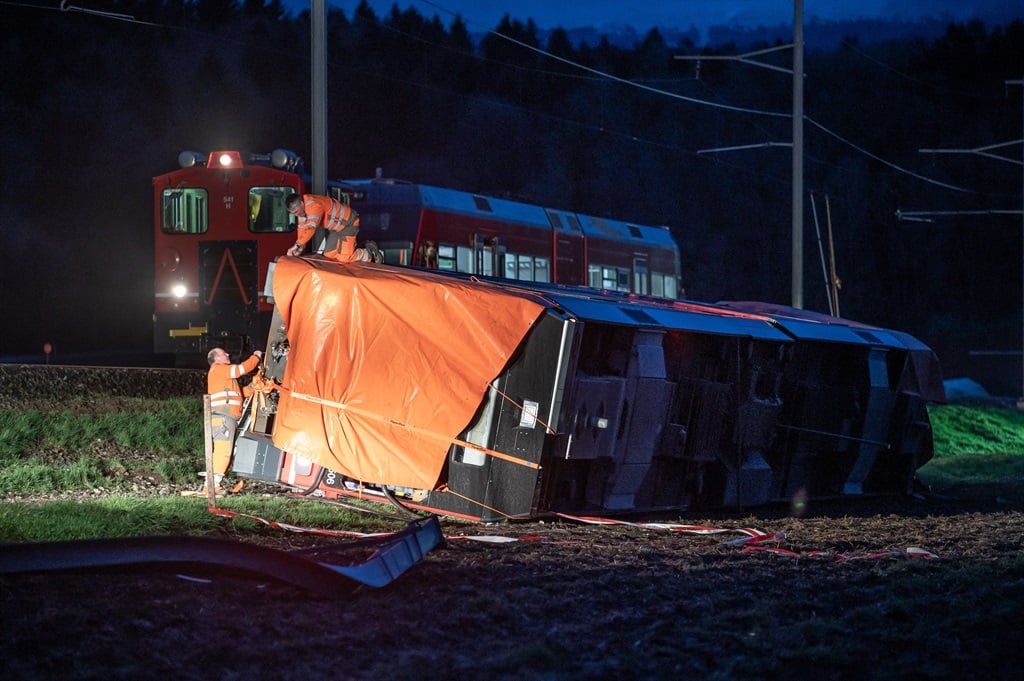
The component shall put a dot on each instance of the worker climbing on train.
(226, 399)
(341, 223)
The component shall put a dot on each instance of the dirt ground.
(927, 587)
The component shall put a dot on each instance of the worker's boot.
(376, 255)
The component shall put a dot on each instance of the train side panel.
(611, 404)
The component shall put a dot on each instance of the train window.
(640, 276)
(482, 203)
(446, 257)
(400, 253)
(185, 211)
(454, 258)
(541, 269)
(658, 285)
(525, 268)
(663, 285)
(464, 259)
(485, 263)
(574, 222)
(608, 278)
(267, 212)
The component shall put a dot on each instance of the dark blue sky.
(482, 15)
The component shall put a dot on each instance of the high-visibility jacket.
(331, 214)
(226, 395)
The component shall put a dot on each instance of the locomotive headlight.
(179, 290)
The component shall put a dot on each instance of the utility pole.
(797, 287)
(318, 92)
(798, 154)
(1020, 84)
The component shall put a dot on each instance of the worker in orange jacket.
(226, 399)
(341, 222)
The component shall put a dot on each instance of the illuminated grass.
(68, 452)
(960, 430)
(1001, 473)
(126, 516)
(25, 432)
(59, 472)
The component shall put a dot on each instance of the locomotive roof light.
(225, 159)
(284, 159)
(189, 159)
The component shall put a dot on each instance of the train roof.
(397, 192)
(744, 319)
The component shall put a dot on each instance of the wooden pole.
(211, 484)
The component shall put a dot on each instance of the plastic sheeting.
(384, 369)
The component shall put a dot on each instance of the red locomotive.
(220, 221)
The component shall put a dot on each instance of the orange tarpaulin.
(386, 368)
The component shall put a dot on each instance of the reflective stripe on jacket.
(331, 214)
(222, 385)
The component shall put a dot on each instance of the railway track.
(54, 384)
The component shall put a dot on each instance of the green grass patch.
(961, 430)
(38, 477)
(68, 451)
(22, 432)
(125, 516)
(977, 469)
(41, 475)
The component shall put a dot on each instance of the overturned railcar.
(492, 401)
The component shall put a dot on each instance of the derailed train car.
(493, 400)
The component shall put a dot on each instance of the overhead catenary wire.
(596, 72)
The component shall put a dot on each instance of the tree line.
(97, 102)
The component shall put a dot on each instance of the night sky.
(482, 15)
(35, 312)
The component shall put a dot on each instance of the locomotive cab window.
(267, 213)
(184, 211)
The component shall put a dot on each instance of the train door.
(641, 276)
(489, 252)
(570, 257)
(229, 293)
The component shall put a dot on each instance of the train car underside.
(490, 402)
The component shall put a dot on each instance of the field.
(929, 586)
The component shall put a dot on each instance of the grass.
(961, 430)
(45, 452)
(172, 432)
(126, 516)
